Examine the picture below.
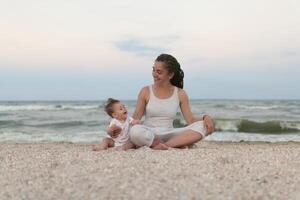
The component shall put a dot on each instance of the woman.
(159, 102)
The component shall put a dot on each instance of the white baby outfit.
(123, 137)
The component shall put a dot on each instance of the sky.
(92, 50)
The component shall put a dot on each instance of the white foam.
(45, 107)
(237, 137)
(27, 107)
(20, 137)
(257, 107)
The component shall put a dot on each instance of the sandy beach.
(210, 170)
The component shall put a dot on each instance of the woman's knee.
(141, 136)
(136, 130)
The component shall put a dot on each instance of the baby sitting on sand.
(117, 111)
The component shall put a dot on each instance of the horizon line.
(191, 99)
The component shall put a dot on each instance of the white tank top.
(160, 113)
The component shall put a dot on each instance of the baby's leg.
(126, 146)
(105, 143)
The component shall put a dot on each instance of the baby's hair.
(109, 106)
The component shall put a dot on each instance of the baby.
(117, 111)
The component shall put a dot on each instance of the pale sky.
(92, 50)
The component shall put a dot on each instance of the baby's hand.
(135, 121)
(113, 131)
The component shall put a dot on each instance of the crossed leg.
(143, 136)
(185, 138)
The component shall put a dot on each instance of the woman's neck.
(166, 85)
(163, 91)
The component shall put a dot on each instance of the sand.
(211, 170)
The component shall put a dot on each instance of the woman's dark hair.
(172, 65)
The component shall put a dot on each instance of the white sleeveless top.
(160, 113)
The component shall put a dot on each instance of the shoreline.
(205, 141)
(210, 170)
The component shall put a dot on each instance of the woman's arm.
(141, 103)
(185, 107)
(188, 115)
(209, 124)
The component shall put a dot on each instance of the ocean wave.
(22, 137)
(245, 107)
(4, 114)
(61, 124)
(268, 127)
(220, 106)
(246, 137)
(10, 123)
(26, 107)
(56, 125)
(81, 107)
(5, 108)
(67, 124)
(249, 126)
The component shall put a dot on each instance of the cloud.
(147, 47)
(139, 48)
(289, 52)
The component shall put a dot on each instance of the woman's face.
(160, 73)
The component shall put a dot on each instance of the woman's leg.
(143, 136)
(185, 138)
(157, 144)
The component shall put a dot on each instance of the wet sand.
(210, 170)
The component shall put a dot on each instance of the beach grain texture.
(210, 170)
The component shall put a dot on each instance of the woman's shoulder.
(182, 94)
(181, 91)
(145, 89)
(144, 92)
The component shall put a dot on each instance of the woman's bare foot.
(160, 146)
(191, 146)
(183, 147)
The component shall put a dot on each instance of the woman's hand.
(134, 122)
(209, 124)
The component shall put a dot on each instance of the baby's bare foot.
(120, 148)
(97, 148)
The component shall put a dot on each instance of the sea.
(85, 121)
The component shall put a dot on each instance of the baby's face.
(120, 111)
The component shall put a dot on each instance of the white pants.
(142, 135)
